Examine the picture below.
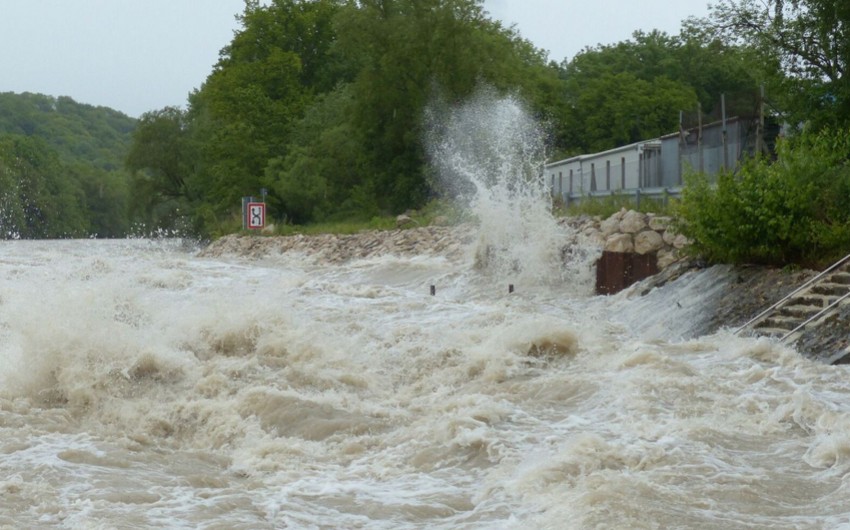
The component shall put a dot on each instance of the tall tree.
(37, 199)
(323, 174)
(161, 160)
(810, 39)
(323, 102)
(633, 90)
(243, 114)
(409, 52)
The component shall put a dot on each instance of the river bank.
(730, 295)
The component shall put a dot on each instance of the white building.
(654, 166)
(624, 168)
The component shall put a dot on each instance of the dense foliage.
(322, 102)
(61, 168)
(795, 209)
(633, 90)
(808, 39)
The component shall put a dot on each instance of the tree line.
(321, 102)
(62, 168)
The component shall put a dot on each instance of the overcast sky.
(140, 55)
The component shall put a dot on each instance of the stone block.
(659, 224)
(633, 222)
(648, 241)
(619, 243)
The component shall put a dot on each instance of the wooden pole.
(760, 128)
(724, 132)
(699, 137)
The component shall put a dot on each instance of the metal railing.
(657, 193)
(812, 318)
(792, 294)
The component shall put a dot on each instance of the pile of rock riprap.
(631, 231)
(625, 231)
(452, 242)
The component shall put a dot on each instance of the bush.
(795, 209)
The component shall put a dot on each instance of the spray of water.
(489, 153)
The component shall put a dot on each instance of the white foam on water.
(489, 153)
(143, 386)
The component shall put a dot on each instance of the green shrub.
(795, 209)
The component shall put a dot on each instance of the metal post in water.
(510, 288)
(433, 290)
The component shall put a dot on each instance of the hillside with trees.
(323, 103)
(62, 168)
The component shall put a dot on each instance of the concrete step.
(840, 277)
(815, 300)
(779, 322)
(804, 305)
(830, 289)
(799, 311)
(841, 356)
(771, 332)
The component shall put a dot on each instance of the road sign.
(256, 213)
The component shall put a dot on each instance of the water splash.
(489, 153)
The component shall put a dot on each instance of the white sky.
(141, 55)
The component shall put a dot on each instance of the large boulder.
(666, 258)
(659, 224)
(619, 243)
(680, 241)
(633, 222)
(404, 221)
(648, 241)
(610, 225)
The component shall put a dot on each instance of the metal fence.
(660, 195)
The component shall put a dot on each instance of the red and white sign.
(256, 212)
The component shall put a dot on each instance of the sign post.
(254, 212)
(255, 215)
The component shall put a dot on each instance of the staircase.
(805, 308)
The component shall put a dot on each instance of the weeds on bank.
(439, 212)
(609, 205)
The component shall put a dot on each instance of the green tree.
(242, 116)
(161, 160)
(809, 39)
(619, 109)
(37, 199)
(105, 199)
(324, 172)
(633, 90)
(409, 52)
(323, 103)
(792, 210)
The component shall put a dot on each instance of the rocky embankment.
(738, 294)
(625, 231)
(450, 241)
